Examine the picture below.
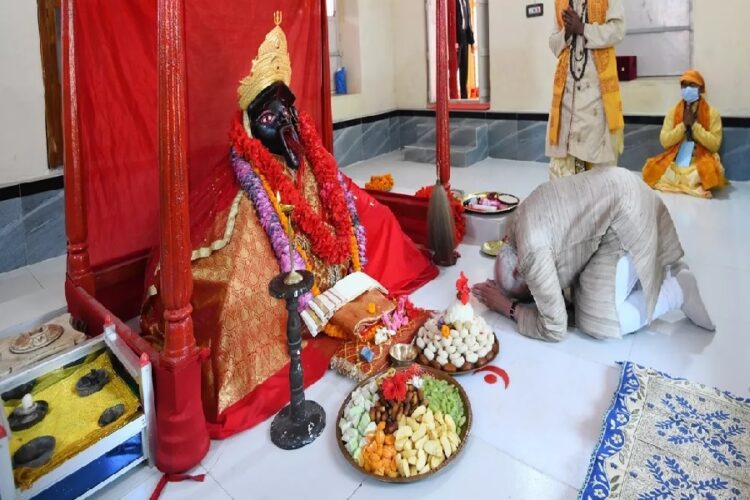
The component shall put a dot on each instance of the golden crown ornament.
(271, 65)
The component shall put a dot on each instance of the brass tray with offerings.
(490, 202)
(404, 425)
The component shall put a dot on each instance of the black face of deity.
(273, 121)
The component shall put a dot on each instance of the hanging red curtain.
(116, 73)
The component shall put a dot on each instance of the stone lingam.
(28, 413)
(92, 382)
(35, 453)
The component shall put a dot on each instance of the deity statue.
(277, 158)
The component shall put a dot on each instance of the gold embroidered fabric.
(72, 420)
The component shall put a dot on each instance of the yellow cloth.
(72, 420)
(606, 67)
(707, 132)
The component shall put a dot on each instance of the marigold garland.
(333, 247)
(458, 210)
(380, 182)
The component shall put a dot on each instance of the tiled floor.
(531, 441)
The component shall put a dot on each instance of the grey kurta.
(570, 232)
(584, 133)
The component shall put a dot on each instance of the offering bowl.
(402, 354)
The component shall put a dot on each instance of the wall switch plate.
(535, 10)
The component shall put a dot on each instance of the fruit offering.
(459, 340)
(402, 424)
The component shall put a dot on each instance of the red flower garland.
(333, 247)
(458, 211)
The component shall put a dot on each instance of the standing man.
(464, 38)
(585, 127)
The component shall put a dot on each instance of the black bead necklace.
(579, 56)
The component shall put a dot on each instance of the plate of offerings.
(404, 425)
(459, 341)
(490, 202)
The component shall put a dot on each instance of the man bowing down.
(606, 235)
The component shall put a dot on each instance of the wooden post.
(442, 120)
(182, 437)
(78, 264)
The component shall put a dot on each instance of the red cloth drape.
(116, 83)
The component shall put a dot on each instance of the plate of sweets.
(458, 341)
(490, 202)
(403, 425)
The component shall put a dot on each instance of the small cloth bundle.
(322, 308)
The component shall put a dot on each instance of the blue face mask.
(690, 94)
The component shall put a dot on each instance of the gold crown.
(270, 66)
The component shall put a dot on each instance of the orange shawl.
(606, 67)
(705, 162)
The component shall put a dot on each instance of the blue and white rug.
(667, 438)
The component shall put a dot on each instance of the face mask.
(690, 94)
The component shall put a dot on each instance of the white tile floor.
(531, 441)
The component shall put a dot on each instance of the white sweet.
(420, 343)
(442, 360)
(431, 348)
(456, 340)
(472, 357)
(462, 349)
(483, 352)
(442, 353)
(430, 355)
(458, 312)
(451, 349)
(445, 342)
(459, 362)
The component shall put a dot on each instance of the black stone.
(35, 453)
(111, 414)
(92, 383)
(21, 419)
(290, 432)
(18, 392)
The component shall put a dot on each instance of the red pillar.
(78, 264)
(182, 437)
(442, 120)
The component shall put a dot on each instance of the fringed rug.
(667, 438)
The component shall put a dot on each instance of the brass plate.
(492, 247)
(510, 200)
(464, 431)
(491, 357)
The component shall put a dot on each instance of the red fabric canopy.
(116, 86)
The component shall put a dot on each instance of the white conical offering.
(27, 402)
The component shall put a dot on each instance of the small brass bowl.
(402, 354)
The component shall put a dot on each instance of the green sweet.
(445, 398)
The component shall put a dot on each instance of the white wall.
(377, 94)
(23, 143)
(522, 66)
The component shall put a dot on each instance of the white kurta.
(584, 133)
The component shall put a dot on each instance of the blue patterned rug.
(667, 438)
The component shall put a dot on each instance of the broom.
(441, 230)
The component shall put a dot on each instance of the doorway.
(469, 63)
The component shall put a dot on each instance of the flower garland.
(273, 222)
(359, 238)
(458, 211)
(333, 247)
(380, 183)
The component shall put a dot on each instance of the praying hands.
(573, 23)
(490, 295)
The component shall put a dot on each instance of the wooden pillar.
(182, 437)
(442, 120)
(78, 264)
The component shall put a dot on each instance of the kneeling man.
(607, 236)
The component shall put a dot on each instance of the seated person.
(691, 136)
(277, 156)
(611, 239)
